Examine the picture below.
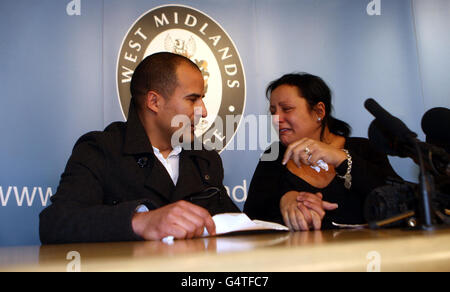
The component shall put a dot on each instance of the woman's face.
(292, 116)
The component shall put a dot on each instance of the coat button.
(207, 177)
(142, 162)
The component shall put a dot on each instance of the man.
(129, 182)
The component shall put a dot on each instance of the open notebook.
(233, 222)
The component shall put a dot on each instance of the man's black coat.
(111, 173)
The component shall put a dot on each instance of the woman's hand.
(315, 203)
(308, 151)
(293, 217)
(303, 211)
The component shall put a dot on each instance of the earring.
(319, 119)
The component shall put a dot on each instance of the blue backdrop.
(58, 62)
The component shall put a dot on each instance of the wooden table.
(331, 250)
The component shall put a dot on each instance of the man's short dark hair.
(157, 72)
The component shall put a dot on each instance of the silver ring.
(307, 151)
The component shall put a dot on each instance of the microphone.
(398, 130)
(394, 138)
(400, 140)
(436, 125)
(386, 142)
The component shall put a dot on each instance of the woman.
(321, 175)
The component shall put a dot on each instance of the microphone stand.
(426, 192)
(424, 211)
(427, 217)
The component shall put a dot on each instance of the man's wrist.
(138, 223)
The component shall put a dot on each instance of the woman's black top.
(272, 180)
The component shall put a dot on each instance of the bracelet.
(348, 176)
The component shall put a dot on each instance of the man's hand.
(181, 220)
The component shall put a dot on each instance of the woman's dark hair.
(314, 90)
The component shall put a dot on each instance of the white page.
(231, 222)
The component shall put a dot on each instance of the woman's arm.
(370, 168)
(265, 192)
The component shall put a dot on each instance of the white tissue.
(321, 165)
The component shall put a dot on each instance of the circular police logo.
(195, 35)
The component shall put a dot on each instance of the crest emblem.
(193, 34)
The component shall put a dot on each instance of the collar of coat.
(138, 144)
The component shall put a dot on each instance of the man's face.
(186, 101)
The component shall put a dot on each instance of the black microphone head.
(385, 141)
(398, 130)
(436, 126)
(381, 138)
(372, 106)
